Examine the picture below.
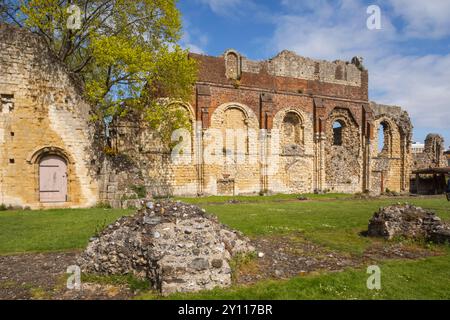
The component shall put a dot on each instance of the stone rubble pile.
(410, 222)
(175, 245)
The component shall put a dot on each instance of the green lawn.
(423, 279)
(334, 221)
(265, 199)
(51, 230)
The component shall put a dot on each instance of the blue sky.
(408, 58)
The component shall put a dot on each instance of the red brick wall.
(285, 91)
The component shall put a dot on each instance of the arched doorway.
(52, 179)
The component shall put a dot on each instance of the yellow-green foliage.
(126, 52)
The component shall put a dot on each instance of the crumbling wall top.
(290, 64)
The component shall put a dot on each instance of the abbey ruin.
(317, 114)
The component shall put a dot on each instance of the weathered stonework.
(391, 162)
(42, 114)
(176, 246)
(291, 102)
(409, 222)
(433, 155)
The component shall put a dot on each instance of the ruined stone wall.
(289, 102)
(295, 158)
(283, 111)
(137, 163)
(42, 113)
(433, 155)
(289, 64)
(343, 164)
(390, 162)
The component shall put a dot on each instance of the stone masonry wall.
(284, 110)
(42, 113)
(390, 162)
(433, 155)
(293, 102)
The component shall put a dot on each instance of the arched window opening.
(292, 134)
(338, 128)
(292, 129)
(384, 138)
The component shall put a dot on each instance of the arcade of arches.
(297, 125)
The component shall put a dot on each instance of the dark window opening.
(337, 133)
(6, 103)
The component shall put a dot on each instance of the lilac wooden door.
(53, 179)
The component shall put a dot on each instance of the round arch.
(218, 115)
(37, 154)
(44, 159)
(281, 114)
(344, 115)
(390, 131)
(184, 105)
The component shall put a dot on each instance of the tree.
(125, 51)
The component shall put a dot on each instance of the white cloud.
(222, 6)
(239, 9)
(331, 30)
(339, 31)
(424, 18)
(193, 39)
(420, 84)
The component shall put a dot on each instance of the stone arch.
(293, 120)
(387, 127)
(295, 160)
(217, 117)
(235, 171)
(391, 135)
(235, 116)
(192, 120)
(293, 128)
(345, 114)
(35, 156)
(349, 127)
(389, 164)
(338, 128)
(186, 106)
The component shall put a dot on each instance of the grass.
(133, 283)
(52, 230)
(265, 199)
(423, 279)
(335, 224)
